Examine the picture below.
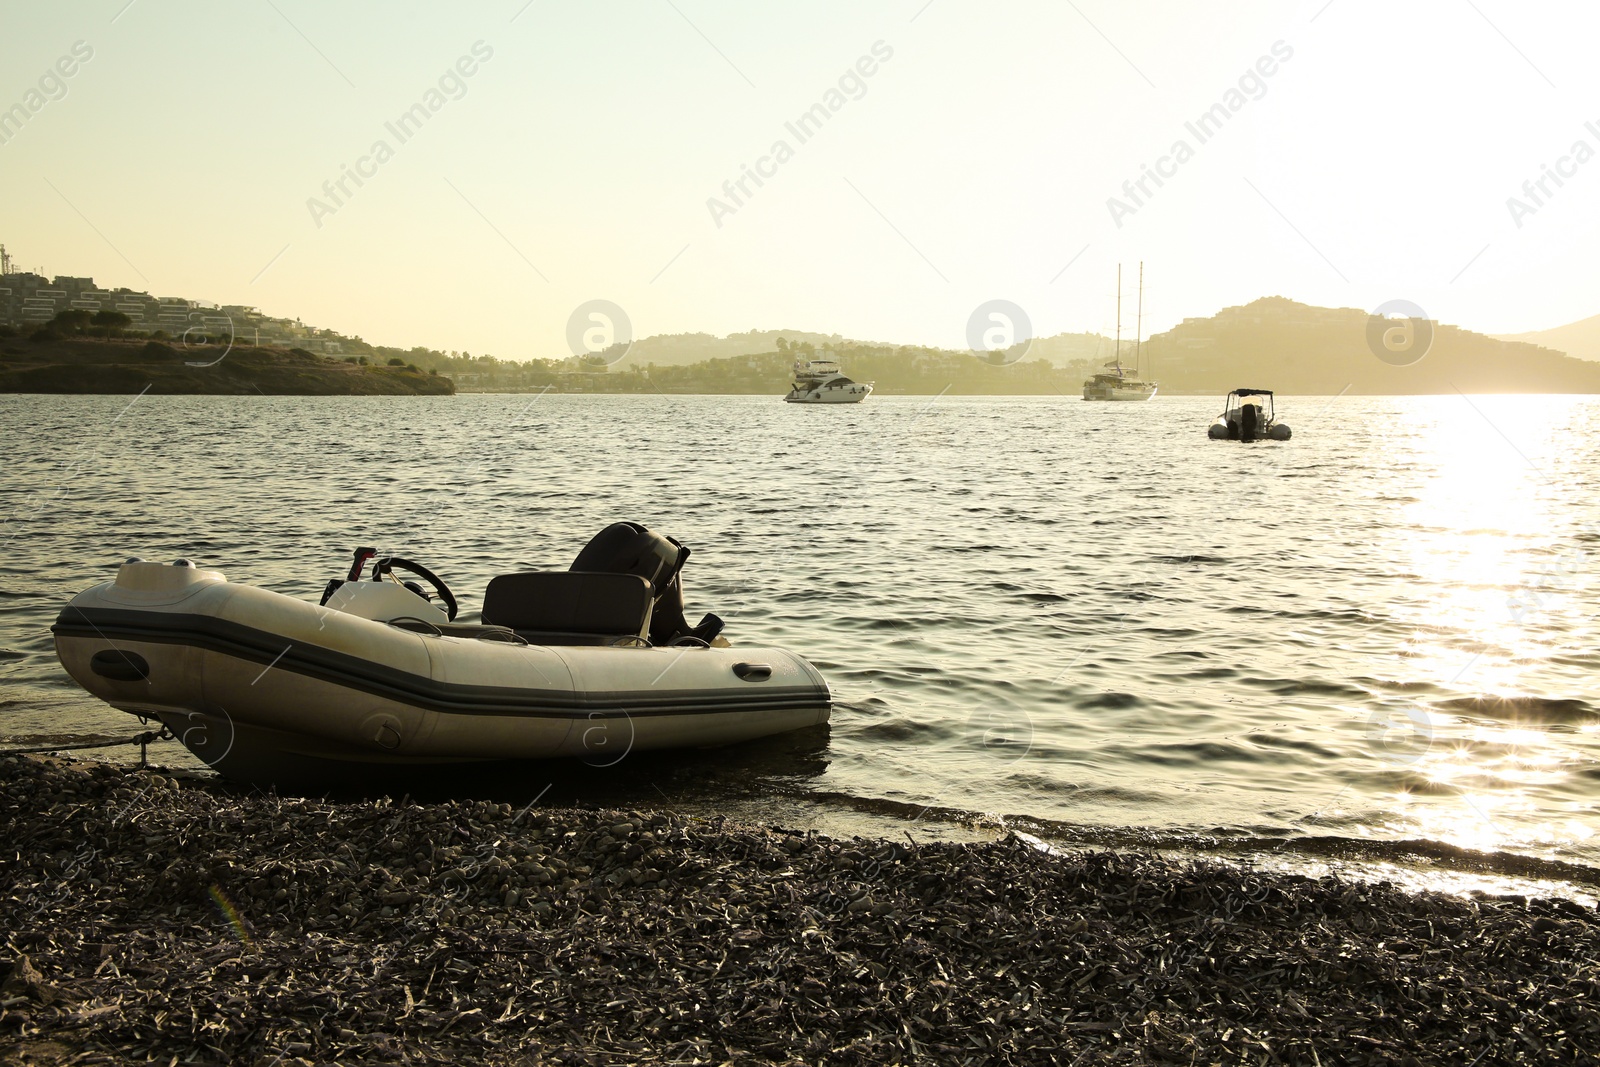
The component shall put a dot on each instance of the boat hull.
(831, 396)
(1115, 393)
(1221, 429)
(267, 689)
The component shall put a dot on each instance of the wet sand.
(149, 918)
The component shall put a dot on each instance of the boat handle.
(753, 672)
(120, 666)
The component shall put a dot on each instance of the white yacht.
(819, 381)
(1114, 383)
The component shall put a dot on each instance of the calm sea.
(1376, 641)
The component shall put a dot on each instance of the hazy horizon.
(1353, 155)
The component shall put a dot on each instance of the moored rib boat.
(593, 662)
(1248, 415)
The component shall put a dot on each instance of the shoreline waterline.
(662, 781)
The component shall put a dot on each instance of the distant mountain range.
(1276, 343)
(685, 349)
(1271, 343)
(1579, 339)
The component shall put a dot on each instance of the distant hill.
(1066, 349)
(1578, 339)
(685, 349)
(80, 365)
(1273, 343)
(1276, 343)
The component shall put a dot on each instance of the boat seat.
(570, 607)
(631, 548)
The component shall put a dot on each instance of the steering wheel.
(388, 564)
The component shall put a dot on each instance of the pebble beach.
(160, 918)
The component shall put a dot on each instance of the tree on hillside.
(783, 344)
(112, 322)
(72, 320)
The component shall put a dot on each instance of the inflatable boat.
(592, 662)
(1249, 415)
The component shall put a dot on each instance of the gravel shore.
(148, 919)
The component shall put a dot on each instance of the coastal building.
(28, 299)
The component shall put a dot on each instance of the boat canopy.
(1259, 399)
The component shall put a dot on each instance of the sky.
(1359, 153)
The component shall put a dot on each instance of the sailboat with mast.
(1115, 383)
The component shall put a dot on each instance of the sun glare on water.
(1486, 531)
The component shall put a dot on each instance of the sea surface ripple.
(1085, 618)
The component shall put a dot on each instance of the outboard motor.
(1248, 413)
(631, 548)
